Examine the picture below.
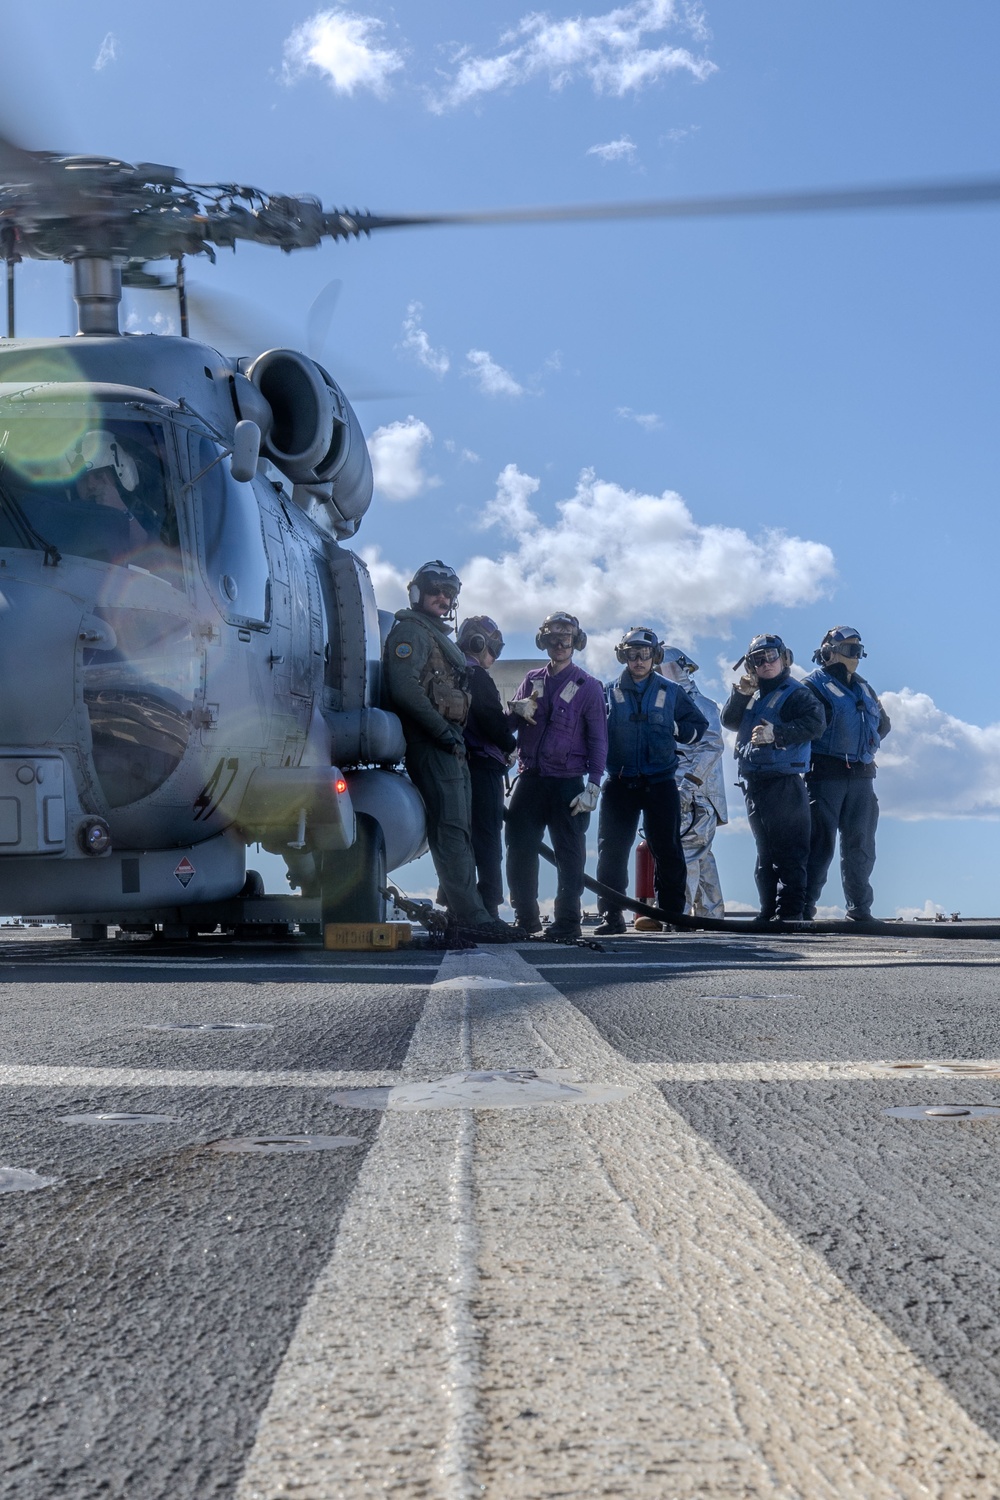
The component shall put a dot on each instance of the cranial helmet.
(558, 624)
(675, 654)
(639, 635)
(432, 575)
(102, 450)
(842, 640)
(479, 633)
(766, 643)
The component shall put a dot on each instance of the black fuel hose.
(976, 928)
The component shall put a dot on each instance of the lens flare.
(39, 438)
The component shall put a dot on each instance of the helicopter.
(190, 654)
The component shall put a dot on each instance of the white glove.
(525, 708)
(585, 801)
(763, 734)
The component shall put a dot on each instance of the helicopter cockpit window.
(96, 488)
(235, 556)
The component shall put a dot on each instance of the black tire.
(351, 880)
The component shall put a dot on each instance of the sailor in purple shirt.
(560, 717)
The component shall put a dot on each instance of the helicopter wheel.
(351, 880)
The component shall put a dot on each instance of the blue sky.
(714, 427)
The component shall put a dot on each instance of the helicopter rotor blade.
(234, 325)
(319, 318)
(942, 194)
(17, 164)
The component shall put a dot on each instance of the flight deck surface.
(666, 1241)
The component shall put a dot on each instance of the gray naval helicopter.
(190, 657)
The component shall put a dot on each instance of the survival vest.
(772, 760)
(852, 733)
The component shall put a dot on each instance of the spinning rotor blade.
(320, 318)
(947, 194)
(20, 165)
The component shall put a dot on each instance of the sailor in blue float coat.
(775, 719)
(841, 780)
(647, 715)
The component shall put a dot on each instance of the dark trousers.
(538, 803)
(847, 806)
(487, 828)
(657, 802)
(442, 779)
(778, 814)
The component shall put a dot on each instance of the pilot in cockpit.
(108, 472)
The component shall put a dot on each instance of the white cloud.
(926, 913)
(649, 421)
(934, 765)
(343, 47)
(609, 50)
(623, 149)
(493, 379)
(416, 342)
(107, 52)
(465, 455)
(397, 452)
(616, 555)
(158, 322)
(388, 581)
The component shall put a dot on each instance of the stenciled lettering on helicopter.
(213, 793)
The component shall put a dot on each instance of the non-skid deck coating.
(736, 1275)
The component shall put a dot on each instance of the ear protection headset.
(833, 643)
(559, 623)
(764, 643)
(436, 572)
(480, 633)
(639, 635)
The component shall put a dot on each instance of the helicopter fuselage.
(189, 661)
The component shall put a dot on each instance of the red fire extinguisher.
(643, 872)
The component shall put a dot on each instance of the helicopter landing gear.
(351, 880)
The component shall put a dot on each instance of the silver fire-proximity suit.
(701, 785)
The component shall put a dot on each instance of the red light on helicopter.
(340, 785)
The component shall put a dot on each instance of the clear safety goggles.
(852, 648)
(764, 657)
(638, 653)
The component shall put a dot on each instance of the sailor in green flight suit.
(426, 676)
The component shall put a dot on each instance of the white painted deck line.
(645, 1325)
(29, 1075)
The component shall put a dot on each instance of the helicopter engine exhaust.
(315, 437)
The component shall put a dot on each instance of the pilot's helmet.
(102, 450)
(433, 575)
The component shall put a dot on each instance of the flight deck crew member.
(559, 717)
(426, 676)
(841, 779)
(702, 790)
(775, 719)
(647, 715)
(489, 741)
